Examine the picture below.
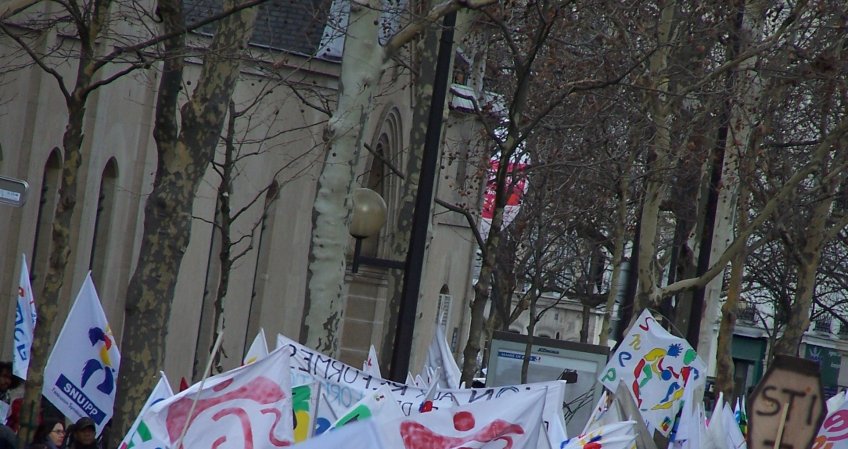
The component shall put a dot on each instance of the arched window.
(261, 270)
(98, 261)
(44, 221)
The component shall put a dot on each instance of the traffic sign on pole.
(790, 397)
(13, 191)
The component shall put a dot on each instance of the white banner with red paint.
(506, 423)
(25, 318)
(248, 407)
(345, 385)
(834, 430)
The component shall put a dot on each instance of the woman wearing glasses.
(50, 434)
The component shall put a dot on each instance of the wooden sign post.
(786, 409)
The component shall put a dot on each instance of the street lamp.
(369, 215)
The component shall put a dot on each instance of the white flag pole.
(206, 371)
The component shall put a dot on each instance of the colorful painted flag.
(833, 433)
(619, 435)
(250, 406)
(379, 405)
(656, 366)
(371, 365)
(304, 408)
(439, 356)
(741, 417)
(257, 350)
(139, 436)
(80, 375)
(25, 318)
(508, 422)
(689, 425)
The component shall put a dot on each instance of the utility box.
(579, 364)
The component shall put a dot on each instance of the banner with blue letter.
(80, 375)
(24, 323)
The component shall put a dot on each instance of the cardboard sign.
(793, 383)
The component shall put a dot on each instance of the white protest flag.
(25, 318)
(733, 435)
(508, 422)
(257, 350)
(379, 405)
(357, 435)
(371, 365)
(410, 380)
(344, 385)
(715, 437)
(618, 435)
(79, 378)
(689, 426)
(835, 402)
(439, 356)
(833, 433)
(139, 436)
(250, 406)
(655, 366)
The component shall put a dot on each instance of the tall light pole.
(414, 263)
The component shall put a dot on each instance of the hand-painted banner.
(834, 430)
(655, 366)
(79, 378)
(379, 405)
(250, 406)
(305, 409)
(139, 436)
(345, 385)
(25, 318)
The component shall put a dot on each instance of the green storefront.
(748, 356)
(829, 361)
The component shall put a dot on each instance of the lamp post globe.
(369, 213)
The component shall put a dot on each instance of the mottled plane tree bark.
(363, 65)
(186, 143)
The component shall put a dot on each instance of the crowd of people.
(51, 432)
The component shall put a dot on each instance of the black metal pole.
(423, 201)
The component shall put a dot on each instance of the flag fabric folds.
(439, 358)
(655, 366)
(80, 375)
(250, 406)
(139, 436)
(257, 350)
(508, 422)
(371, 365)
(25, 318)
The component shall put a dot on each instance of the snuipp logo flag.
(248, 407)
(80, 375)
(24, 323)
(655, 366)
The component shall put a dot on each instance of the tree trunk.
(528, 348)
(60, 255)
(362, 66)
(183, 160)
(725, 382)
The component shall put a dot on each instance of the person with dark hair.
(83, 435)
(49, 434)
(8, 381)
(8, 439)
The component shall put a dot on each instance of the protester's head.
(84, 431)
(50, 429)
(7, 380)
